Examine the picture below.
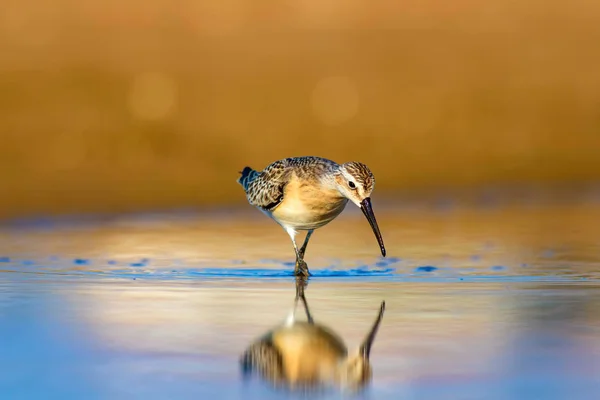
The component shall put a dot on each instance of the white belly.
(300, 215)
(307, 204)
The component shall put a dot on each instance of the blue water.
(48, 351)
(490, 306)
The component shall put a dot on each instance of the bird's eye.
(352, 185)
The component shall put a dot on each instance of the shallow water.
(482, 302)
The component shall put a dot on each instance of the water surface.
(482, 303)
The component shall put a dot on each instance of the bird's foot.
(301, 269)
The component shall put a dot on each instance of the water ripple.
(364, 273)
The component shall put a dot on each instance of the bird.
(308, 356)
(306, 193)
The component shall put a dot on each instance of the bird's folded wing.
(266, 191)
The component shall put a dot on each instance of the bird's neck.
(329, 182)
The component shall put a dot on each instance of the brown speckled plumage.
(362, 174)
(265, 189)
(306, 193)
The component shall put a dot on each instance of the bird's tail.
(247, 176)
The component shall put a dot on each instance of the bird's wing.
(265, 359)
(266, 190)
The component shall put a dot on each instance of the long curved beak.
(365, 347)
(365, 206)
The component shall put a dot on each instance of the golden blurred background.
(117, 106)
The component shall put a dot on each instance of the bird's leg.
(301, 267)
(306, 239)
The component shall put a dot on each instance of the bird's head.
(356, 182)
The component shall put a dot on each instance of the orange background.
(115, 106)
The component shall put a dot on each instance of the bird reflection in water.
(305, 355)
